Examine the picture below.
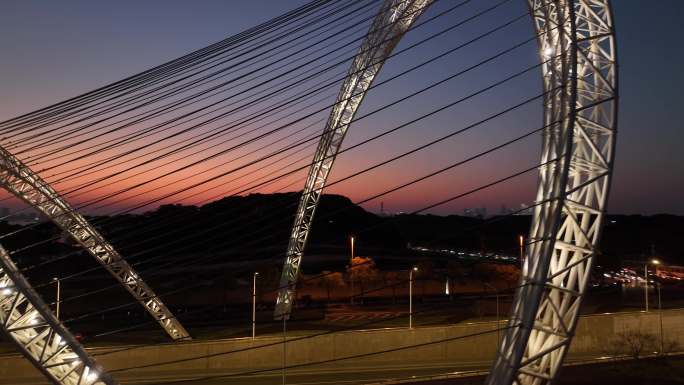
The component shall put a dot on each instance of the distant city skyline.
(56, 51)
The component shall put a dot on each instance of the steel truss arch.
(28, 322)
(577, 46)
(389, 26)
(22, 182)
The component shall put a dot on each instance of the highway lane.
(311, 377)
(406, 373)
(305, 376)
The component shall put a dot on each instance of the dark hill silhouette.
(257, 227)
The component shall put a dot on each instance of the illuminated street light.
(254, 277)
(521, 241)
(653, 262)
(58, 296)
(351, 268)
(660, 319)
(656, 262)
(411, 296)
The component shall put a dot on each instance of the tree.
(426, 268)
(393, 279)
(509, 274)
(269, 275)
(632, 343)
(332, 280)
(492, 272)
(456, 271)
(483, 272)
(363, 271)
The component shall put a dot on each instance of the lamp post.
(351, 268)
(411, 296)
(656, 262)
(646, 286)
(254, 277)
(660, 320)
(498, 332)
(59, 296)
(653, 262)
(283, 372)
(521, 241)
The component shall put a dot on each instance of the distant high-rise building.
(524, 210)
(477, 212)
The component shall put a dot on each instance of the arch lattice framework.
(577, 47)
(39, 335)
(28, 321)
(22, 182)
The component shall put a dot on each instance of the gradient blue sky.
(55, 50)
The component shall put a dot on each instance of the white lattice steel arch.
(577, 44)
(24, 317)
(19, 180)
(28, 322)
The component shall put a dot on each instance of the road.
(358, 357)
(318, 377)
(400, 374)
(296, 377)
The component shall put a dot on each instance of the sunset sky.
(56, 50)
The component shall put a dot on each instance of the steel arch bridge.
(577, 47)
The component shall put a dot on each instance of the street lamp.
(411, 296)
(654, 262)
(351, 268)
(660, 320)
(254, 277)
(646, 286)
(59, 295)
(521, 241)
